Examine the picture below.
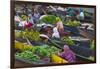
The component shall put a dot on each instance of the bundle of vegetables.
(68, 40)
(53, 49)
(51, 19)
(30, 34)
(41, 51)
(45, 50)
(28, 55)
(72, 23)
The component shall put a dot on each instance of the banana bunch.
(57, 59)
(20, 46)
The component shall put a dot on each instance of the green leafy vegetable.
(45, 50)
(72, 23)
(68, 40)
(49, 19)
(28, 55)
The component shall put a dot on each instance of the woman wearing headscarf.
(60, 27)
(68, 54)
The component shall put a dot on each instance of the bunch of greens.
(45, 51)
(28, 55)
(53, 49)
(41, 51)
(72, 23)
(51, 19)
(68, 40)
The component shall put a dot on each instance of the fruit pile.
(23, 47)
(31, 35)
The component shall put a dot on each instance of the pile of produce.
(23, 47)
(68, 40)
(51, 19)
(31, 34)
(43, 50)
(28, 55)
(72, 23)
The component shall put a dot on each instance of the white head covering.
(55, 33)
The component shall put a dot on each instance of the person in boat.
(46, 32)
(25, 22)
(17, 20)
(59, 29)
(55, 33)
(81, 16)
(68, 54)
(36, 16)
(30, 18)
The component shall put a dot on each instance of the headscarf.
(66, 48)
(68, 54)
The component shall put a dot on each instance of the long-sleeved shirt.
(69, 56)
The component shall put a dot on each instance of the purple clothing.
(68, 55)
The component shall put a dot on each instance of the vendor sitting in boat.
(67, 54)
(46, 33)
(58, 30)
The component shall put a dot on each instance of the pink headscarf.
(66, 48)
